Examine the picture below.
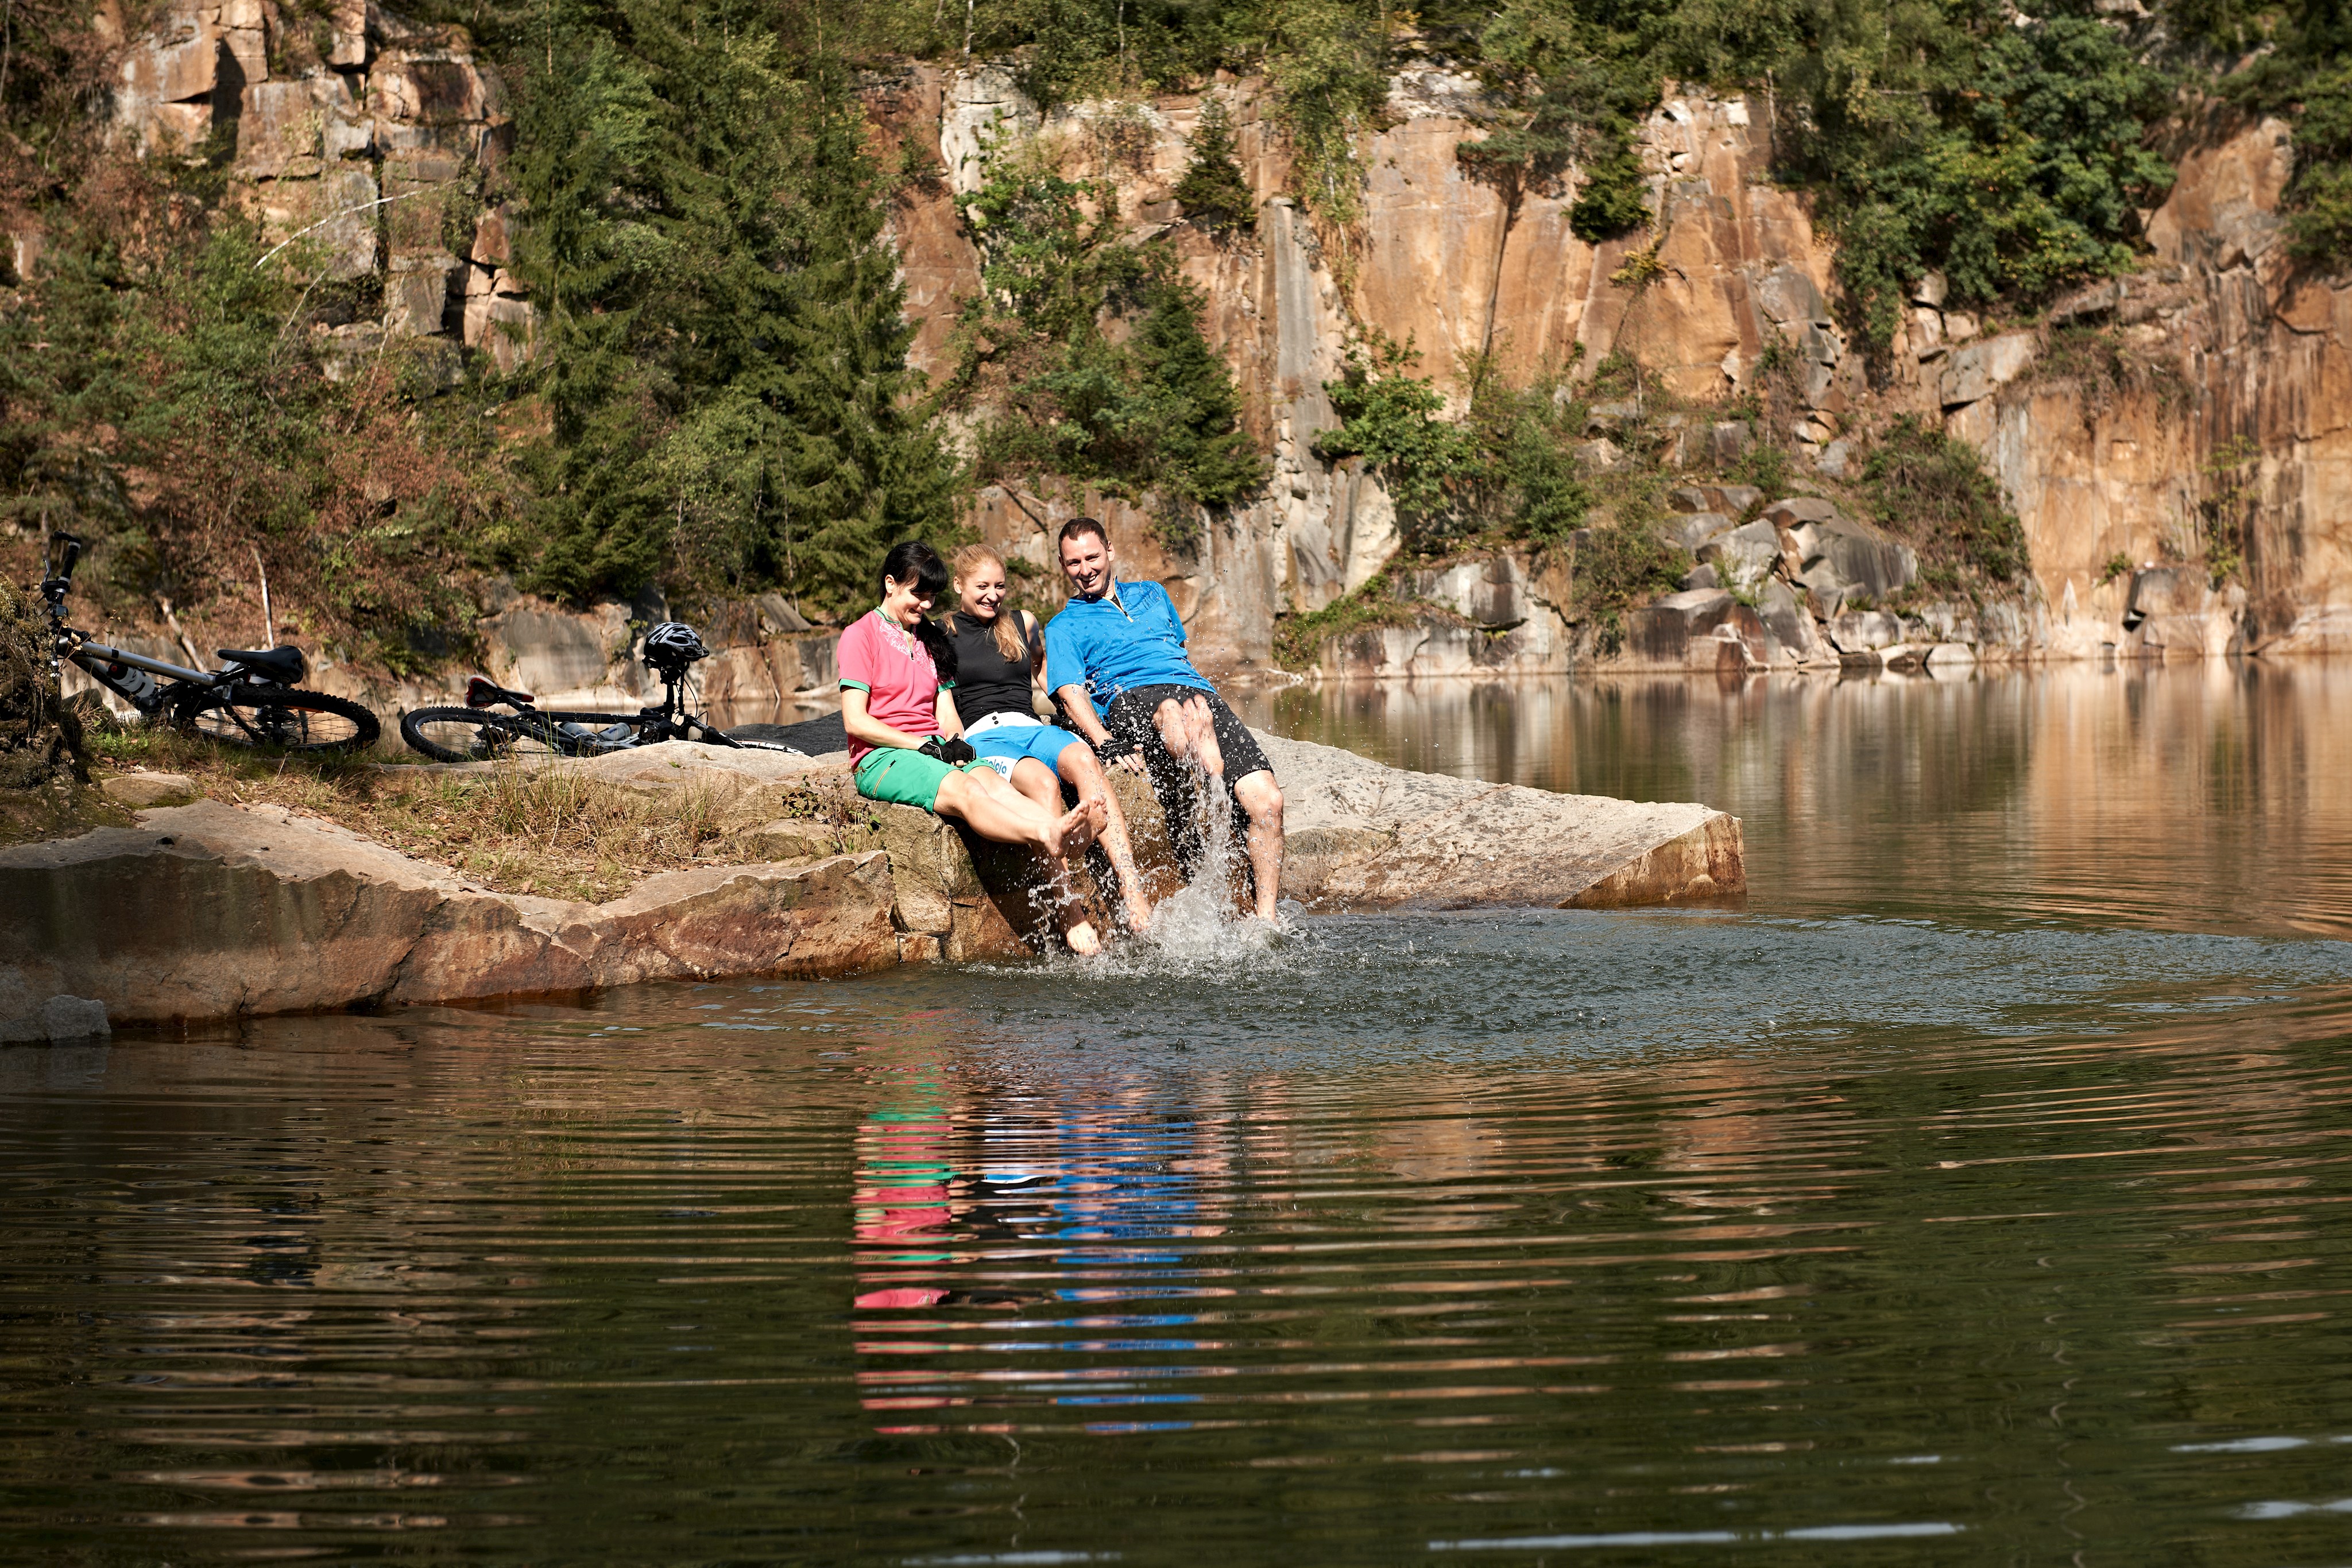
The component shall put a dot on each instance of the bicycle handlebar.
(67, 550)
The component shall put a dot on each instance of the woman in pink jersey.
(898, 671)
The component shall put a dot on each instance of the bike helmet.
(671, 646)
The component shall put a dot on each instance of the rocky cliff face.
(2194, 409)
(365, 135)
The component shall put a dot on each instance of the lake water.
(1976, 1195)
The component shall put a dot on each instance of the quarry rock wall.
(2200, 408)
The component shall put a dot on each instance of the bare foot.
(1082, 938)
(1073, 832)
(1138, 917)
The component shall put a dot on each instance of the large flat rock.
(1364, 836)
(211, 911)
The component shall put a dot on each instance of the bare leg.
(1190, 735)
(1078, 764)
(1034, 781)
(994, 810)
(1261, 797)
(1205, 749)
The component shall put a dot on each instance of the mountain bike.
(476, 733)
(253, 701)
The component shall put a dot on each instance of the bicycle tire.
(282, 718)
(471, 735)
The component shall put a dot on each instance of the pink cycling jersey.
(895, 672)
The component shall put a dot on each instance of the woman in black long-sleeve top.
(1000, 686)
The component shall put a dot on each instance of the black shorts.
(1130, 720)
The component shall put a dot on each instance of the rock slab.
(1367, 837)
(210, 911)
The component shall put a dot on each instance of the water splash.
(1204, 929)
(1204, 924)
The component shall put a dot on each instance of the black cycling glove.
(954, 753)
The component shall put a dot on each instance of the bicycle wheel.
(284, 718)
(470, 734)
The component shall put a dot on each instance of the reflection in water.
(946, 1266)
(2215, 796)
(1905, 1217)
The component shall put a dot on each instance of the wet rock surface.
(210, 911)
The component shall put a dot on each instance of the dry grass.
(553, 829)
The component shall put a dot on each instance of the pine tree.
(1213, 193)
(726, 376)
(1203, 452)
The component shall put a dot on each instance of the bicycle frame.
(92, 658)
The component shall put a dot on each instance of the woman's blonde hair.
(1009, 641)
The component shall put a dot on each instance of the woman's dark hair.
(912, 560)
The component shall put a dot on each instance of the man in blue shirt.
(1115, 661)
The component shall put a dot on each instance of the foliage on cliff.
(1935, 492)
(2298, 64)
(1082, 352)
(161, 394)
(725, 369)
(1213, 193)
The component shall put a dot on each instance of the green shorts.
(904, 777)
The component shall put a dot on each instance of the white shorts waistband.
(998, 720)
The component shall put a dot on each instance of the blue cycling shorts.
(1002, 746)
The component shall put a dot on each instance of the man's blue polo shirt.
(1113, 647)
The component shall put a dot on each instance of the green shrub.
(1158, 412)
(1213, 193)
(1298, 639)
(1615, 569)
(1327, 62)
(1393, 420)
(1933, 492)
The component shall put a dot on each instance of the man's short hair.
(1077, 527)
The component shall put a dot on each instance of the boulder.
(1857, 631)
(1494, 593)
(1789, 298)
(1702, 578)
(253, 910)
(143, 790)
(1787, 623)
(1744, 556)
(1735, 501)
(1839, 559)
(49, 1019)
(1693, 530)
(1729, 441)
(559, 655)
(1794, 511)
(416, 298)
(2175, 609)
(256, 910)
(1980, 369)
(1367, 837)
(1690, 631)
(1602, 455)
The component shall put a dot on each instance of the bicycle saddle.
(482, 692)
(284, 665)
